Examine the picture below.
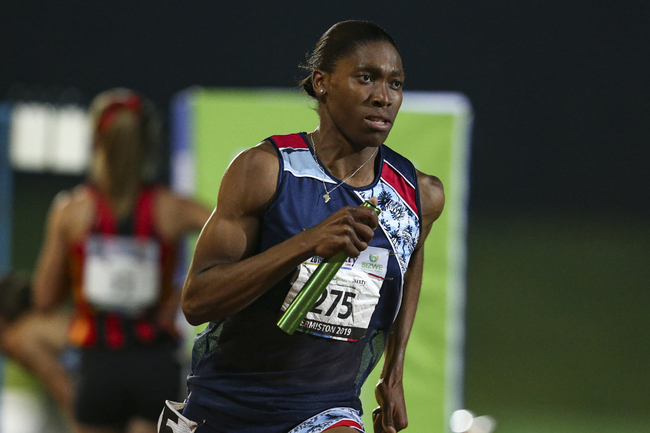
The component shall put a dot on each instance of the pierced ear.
(320, 81)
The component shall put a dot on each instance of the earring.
(321, 90)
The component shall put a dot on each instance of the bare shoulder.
(72, 211)
(255, 164)
(71, 200)
(251, 179)
(432, 197)
(177, 214)
(171, 199)
(261, 159)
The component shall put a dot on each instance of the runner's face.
(364, 93)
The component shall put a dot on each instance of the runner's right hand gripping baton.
(314, 287)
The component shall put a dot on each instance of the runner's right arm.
(225, 276)
(50, 284)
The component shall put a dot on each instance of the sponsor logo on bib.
(344, 309)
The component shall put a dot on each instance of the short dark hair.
(339, 41)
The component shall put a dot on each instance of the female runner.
(285, 204)
(110, 243)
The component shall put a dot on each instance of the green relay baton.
(314, 287)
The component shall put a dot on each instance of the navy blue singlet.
(254, 378)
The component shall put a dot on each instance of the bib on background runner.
(122, 273)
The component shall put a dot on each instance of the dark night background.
(560, 188)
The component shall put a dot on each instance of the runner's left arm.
(390, 416)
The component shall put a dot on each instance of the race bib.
(122, 273)
(344, 309)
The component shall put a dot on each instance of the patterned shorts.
(336, 417)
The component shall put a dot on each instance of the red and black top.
(94, 327)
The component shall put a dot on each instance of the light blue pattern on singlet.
(318, 423)
(300, 163)
(397, 220)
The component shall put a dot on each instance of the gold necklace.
(326, 196)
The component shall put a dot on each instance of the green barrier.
(432, 130)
